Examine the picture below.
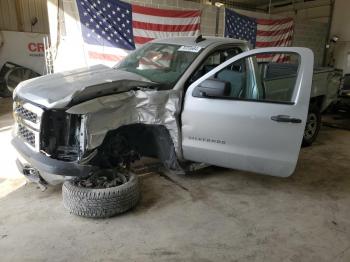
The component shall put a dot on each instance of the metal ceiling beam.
(240, 5)
(279, 2)
(301, 5)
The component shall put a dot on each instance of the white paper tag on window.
(193, 49)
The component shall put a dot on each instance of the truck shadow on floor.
(313, 179)
(213, 184)
(338, 116)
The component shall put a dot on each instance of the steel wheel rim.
(311, 126)
(108, 179)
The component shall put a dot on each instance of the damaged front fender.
(144, 106)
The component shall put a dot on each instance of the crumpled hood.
(60, 89)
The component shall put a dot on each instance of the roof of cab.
(191, 40)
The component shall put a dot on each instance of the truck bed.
(325, 82)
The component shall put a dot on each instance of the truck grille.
(28, 123)
(26, 114)
(26, 134)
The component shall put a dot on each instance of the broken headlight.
(62, 135)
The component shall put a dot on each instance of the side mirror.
(212, 88)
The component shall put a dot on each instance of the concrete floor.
(215, 215)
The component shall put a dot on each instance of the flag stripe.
(164, 20)
(158, 34)
(164, 12)
(106, 49)
(262, 21)
(103, 56)
(164, 27)
(269, 58)
(282, 42)
(272, 39)
(269, 55)
(152, 23)
(274, 33)
(275, 27)
(142, 40)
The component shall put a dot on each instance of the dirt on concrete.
(215, 214)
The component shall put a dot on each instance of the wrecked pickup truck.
(185, 101)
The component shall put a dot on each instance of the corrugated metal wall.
(8, 19)
(17, 15)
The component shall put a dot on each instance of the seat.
(208, 68)
(236, 79)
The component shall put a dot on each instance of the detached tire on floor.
(101, 202)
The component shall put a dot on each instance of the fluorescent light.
(218, 4)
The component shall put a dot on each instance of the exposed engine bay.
(60, 135)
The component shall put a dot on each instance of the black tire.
(313, 125)
(4, 92)
(16, 75)
(103, 202)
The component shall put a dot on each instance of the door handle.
(285, 119)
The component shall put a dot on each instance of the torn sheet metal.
(143, 106)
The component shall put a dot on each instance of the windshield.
(161, 63)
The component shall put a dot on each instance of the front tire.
(313, 125)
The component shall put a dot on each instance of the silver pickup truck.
(185, 101)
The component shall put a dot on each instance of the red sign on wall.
(36, 49)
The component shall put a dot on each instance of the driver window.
(235, 76)
(269, 77)
(213, 60)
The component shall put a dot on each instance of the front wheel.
(313, 125)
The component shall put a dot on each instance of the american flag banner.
(259, 32)
(112, 28)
